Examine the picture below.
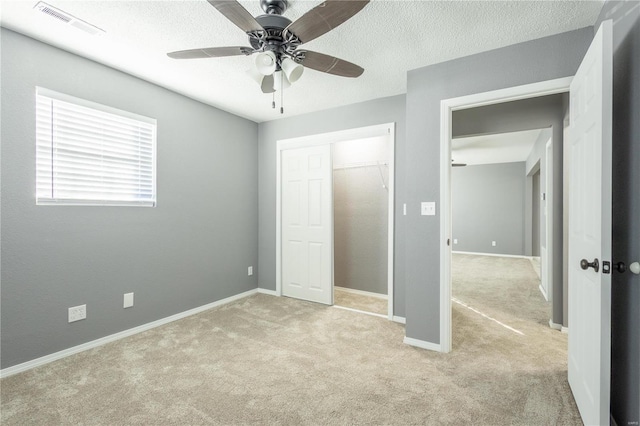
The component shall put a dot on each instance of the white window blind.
(91, 154)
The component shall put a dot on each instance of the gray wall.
(528, 114)
(192, 249)
(360, 207)
(361, 214)
(536, 164)
(535, 214)
(487, 203)
(538, 60)
(385, 110)
(625, 288)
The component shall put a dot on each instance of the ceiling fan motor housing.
(271, 39)
(274, 7)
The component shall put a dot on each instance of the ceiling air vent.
(62, 16)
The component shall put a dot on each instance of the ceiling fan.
(276, 40)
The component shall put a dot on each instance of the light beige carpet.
(360, 302)
(535, 262)
(268, 360)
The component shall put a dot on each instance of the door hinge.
(606, 267)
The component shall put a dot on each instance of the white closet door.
(307, 224)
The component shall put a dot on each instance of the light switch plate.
(428, 208)
(128, 300)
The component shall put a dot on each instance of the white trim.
(399, 320)
(555, 326)
(517, 256)
(388, 130)
(549, 207)
(266, 291)
(19, 368)
(564, 330)
(447, 106)
(422, 344)
(446, 233)
(373, 314)
(94, 105)
(544, 293)
(362, 292)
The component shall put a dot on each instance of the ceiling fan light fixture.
(266, 63)
(280, 81)
(292, 69)
(264, 81)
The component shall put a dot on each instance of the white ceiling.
(499, 148)
(387, 38)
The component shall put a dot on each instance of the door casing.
(387, 130)
(447, 106)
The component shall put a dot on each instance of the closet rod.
(359, 165)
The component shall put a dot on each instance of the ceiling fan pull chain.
(281, 92)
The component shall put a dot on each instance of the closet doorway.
(348, 256)
(360, 218)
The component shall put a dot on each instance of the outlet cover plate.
(77, 313)
(428, 208)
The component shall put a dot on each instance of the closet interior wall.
(361, 200)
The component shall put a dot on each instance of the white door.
(307, 224)
(590, 230)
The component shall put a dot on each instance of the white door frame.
(548, 216)
(331, 138)
(447, 106)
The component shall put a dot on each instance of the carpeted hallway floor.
(268, 360)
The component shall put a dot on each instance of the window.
(91, 154)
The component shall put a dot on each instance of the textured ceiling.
(387, 38)
(498, 148)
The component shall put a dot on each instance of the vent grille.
(62, 16)
(53, 13)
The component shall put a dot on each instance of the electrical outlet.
(493, 243)
(77, 313)
(128, 300)
(250, 270)
(455, 241)
(428, 208)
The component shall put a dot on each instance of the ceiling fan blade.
(329, 64)
(211, 52)
(237, 14)
(323, 18)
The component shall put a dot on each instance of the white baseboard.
(565, 330)
(555, 326)
(19, 368)
(269, 292)
(422, 344)
(492, 254)
(362, 292)
(544, 293)
(401, 320)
